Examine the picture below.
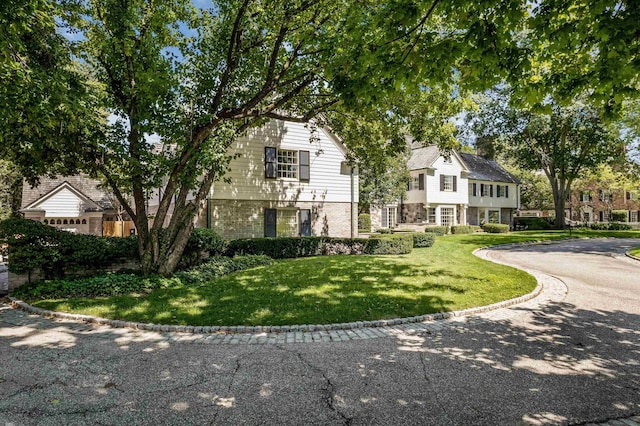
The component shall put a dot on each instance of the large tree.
(564, 141)
(200, 78)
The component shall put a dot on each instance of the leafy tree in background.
(564, 141)
(10, 189)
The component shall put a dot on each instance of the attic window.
(447, 160)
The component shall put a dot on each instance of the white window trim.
(295, 165)
(448, 183)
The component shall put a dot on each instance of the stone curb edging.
(18, 304)
(628, 254)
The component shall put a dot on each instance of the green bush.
(385, 231)
(96, 286)
(600, 226)
(364, 222)
(34, 245)
(389, 244)
(532, 223)
(283, 248)
(464, 229)
(495, 228)
(218, 266)
(438, 230)
(117, 284)
(613, 226)
(423, 239)
(203, 244)
(619, 216)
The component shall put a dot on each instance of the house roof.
(481, 168)
(423, 157)
(83, 186)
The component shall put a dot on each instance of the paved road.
(570, 356)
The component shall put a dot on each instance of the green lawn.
(333, 289)
(635, 252)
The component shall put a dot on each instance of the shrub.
(97, 286)
(423, 239)
(364, 222)
(218, 266)
(464, 229)
(438, 230)
(282, 248)
(385, 231)
(34, 245)
(532, 223)
(495, 228)
(615, 226)
(619, 216)
(600, 226)
(389, 244)
(203, 244)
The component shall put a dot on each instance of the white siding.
(63, 203)
(434, 195)
(495, 201)
(329, 180)
(415, 196)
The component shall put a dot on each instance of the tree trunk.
(558, 202)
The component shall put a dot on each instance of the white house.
(458, 189)
(494, 193)
(73, 203)
(287, 180)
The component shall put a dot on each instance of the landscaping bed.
(330, 289)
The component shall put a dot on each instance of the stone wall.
(245, 218)
(16, 280)
(413, 213)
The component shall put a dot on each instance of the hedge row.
(464, 229)
(613, 226)
(36, 245)
(284, 248)
(438, 230)
(495, 228)
(532, 223)
(118, 284)
(364, 222)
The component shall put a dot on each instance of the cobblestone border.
(19, 304)
(628, 254)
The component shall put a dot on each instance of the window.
(46, 221)
(287, 166)
(447, 215)
(389, 217)
(633, 216)
(286, 163)
(502, 191)
(287, 223)
(494, 216)
(448, 183)
(585, 196)
(632, 195)
(416, 183)
(432, 215)
(606, 196)
(483, 190)
(604, 216)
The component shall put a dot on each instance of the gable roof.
(481, 168)
(89, 204)
(81, 185)
(423, 157)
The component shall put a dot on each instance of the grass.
(635, 252)
(334, 289)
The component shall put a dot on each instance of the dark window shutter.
(270, 222)
(506, 191)
(628, 195)
(482, 190)
(601, 216)
(455, 184)
(490, 190)
(303, 158)
(305, 223)
(421, 181)
(270, 162)
(475, 189)
(441, 182)
(409, 186)
(498, 187)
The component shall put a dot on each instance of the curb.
(628, 254)
(19, 304)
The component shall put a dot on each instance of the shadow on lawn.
(301, 291)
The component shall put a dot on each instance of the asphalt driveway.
(571, 355)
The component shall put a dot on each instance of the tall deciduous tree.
(200, 78)
(564, 143)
